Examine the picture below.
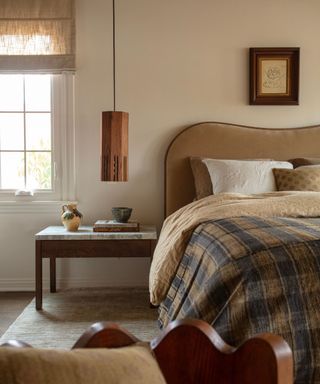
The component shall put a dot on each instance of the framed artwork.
(274, 76)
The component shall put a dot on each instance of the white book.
(113, 223)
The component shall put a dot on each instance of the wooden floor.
(11, 305)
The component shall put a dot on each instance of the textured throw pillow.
(134, 365)
(302, 161)
(300, 179)
(243, 176)
(201, 177)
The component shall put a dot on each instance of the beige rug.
(68, 313)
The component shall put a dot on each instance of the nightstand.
(56, 242)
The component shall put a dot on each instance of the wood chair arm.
(105, 335)
(271, 357)
(264, 359)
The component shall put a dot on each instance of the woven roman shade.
(37, 35)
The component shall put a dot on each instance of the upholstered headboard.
(229, 141)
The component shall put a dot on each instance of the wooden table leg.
(38, 275)
(53, 274)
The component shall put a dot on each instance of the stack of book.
(115, 226)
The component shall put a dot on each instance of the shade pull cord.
(114, 53)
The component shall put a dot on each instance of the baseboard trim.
(19, 285)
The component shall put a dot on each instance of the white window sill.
(31, 206)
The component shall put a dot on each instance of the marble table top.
(86, 233)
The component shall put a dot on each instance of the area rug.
(68, 313)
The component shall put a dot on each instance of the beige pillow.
(130, 365)
(302, 161)
(201, 176)
(299, 179)
(243, 176)
(202, 181)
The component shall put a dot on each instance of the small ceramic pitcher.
(71, 217)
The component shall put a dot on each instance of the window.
(25, 132)
(37, 38)
(36, 135)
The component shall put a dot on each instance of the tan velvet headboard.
(229, 141)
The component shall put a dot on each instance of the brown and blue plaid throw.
(248, 275)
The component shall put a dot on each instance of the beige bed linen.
(178, 227)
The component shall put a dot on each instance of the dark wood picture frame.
(274, 76)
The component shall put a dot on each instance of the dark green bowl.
(121, 214)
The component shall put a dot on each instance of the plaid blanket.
(248, 275)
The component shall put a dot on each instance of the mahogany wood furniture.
(229, 141)
(56, 242)
(190, 351)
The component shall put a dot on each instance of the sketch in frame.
(274, 76)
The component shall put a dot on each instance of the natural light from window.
(25, 132)
(26, 45)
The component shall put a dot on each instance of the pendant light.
(114, 131)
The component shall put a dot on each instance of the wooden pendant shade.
(114, 146)
(114, 130)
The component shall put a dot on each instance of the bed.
(244, 263)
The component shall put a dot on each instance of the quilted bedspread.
(178, 227)
(247, 275)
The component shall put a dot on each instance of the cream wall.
(178, 62)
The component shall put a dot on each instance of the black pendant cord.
(114, 53)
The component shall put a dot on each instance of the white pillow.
(243, 176)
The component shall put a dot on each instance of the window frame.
(62, 134)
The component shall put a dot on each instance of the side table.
(54, 242)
